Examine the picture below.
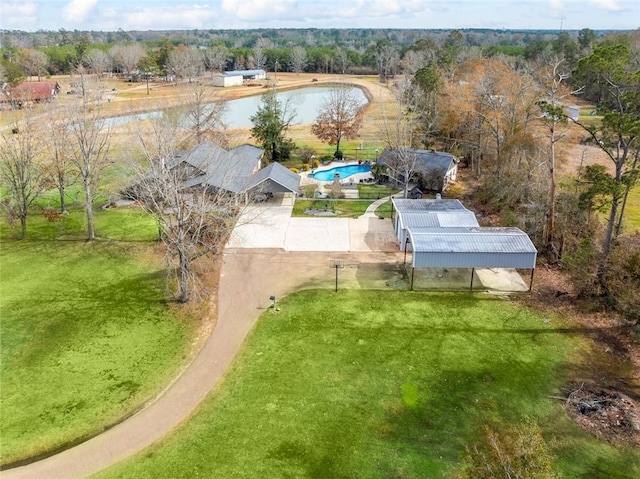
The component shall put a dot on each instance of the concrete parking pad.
(271, 226)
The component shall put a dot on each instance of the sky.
(111, 15)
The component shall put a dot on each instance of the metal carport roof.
(471, 247)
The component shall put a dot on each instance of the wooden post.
(473, 270)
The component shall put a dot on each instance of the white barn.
(226, 80)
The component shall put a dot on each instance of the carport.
(441, 235)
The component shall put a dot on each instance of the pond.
(304, 102)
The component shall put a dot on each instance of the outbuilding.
(443, 235)
(227, 80)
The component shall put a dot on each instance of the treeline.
(325, 50)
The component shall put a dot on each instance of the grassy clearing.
(632, 211)
(380, 384)
(86, 334)
(375, 192)
(341, 208)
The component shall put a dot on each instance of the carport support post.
(533, 270)
(473, 270)
(404, 261)
(411, 284)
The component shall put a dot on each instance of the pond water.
(304, 102)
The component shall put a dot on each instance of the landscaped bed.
(87, 336)
(382, 384)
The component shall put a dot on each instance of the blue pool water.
(343, 171)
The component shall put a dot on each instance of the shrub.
(316, 163)
(338, 155)
(306, 154)
(622, 276)
(295, 170)
(305, 167)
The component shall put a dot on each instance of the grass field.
(632, 212)
(87, 336)
(382, 385)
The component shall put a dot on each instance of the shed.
(227, 80)
(444, 234)
(248, 74)
(428, 213)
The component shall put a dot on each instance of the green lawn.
(381, 384)
(87, 336)
(349, 208)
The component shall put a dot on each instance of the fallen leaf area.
(610, 415)
(606, 403)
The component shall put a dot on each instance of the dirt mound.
(607, 414)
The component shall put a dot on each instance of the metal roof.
(244, 73)
(402, 205)
(434, 213)
(470, 240)
(443, 233)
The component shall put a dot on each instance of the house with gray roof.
(432, 170)
(237, 170)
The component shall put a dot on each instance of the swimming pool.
(343, 171)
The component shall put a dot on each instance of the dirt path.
(248, 277)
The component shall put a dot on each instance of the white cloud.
(611, 5)
(556, 5)
(380, 8)
(182, 16)
(260, 9)
(77, 11)
(18, 15)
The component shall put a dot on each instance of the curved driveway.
(250, 273)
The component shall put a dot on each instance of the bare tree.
(203, 114)
(185, 62)
(343, 60)
(126, 57)
(399, 130)
(259, 59)
(553, 116)
(298, 59)
(340, 116)
(193, 222)
(387, 58)
(58, 168)
(20, 170)
(216, 58)
(98, 61)
(33, 62)
(90, 140)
